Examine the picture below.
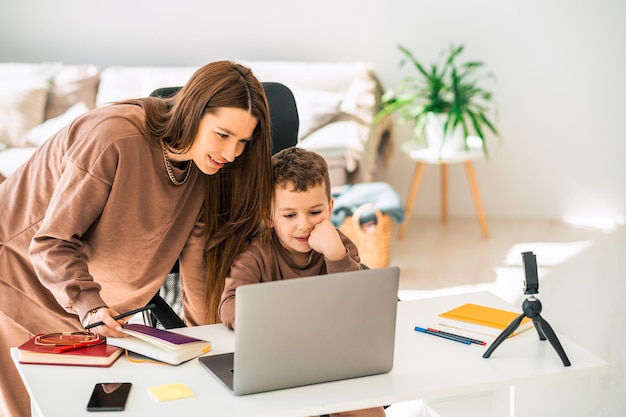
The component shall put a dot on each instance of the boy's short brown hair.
(301, 169)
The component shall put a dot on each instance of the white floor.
(580, 271)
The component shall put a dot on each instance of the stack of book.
(161, 345)
(158, 344)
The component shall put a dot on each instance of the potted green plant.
(448, 93)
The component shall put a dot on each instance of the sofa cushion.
(40, 133)
(22, 107)
(120, 83)
(70, 85)
(23, 93)
(316, 108)
(339, 139)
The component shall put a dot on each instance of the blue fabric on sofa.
(348, 198)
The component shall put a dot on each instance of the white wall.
(560, 66)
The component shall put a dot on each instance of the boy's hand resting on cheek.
(325, 239)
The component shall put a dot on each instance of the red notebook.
(98, 355)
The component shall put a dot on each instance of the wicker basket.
(373, 240)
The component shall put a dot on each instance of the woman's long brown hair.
(238, 196)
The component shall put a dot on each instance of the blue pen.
(478, 342)
(445, 336)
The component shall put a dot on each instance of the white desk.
(425, 367)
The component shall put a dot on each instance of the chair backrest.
(284, 131)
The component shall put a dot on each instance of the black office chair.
(284, 129)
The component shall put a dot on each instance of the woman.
(95, 220)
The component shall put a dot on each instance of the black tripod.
(532, 309)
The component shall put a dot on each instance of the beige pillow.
(22, 107)
(73, 84)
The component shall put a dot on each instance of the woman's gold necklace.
(168, 167)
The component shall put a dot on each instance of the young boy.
(302, 241)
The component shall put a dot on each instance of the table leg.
(408, 207)
(444, 193)
(469, 167)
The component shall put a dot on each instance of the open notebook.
(310, 330)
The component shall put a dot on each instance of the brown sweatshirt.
(265, 261)
(93, 219)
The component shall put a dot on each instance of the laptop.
(310, 330)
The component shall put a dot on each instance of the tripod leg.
(553, 339)
(505, 333)
(537, 324)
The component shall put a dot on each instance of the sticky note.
(170, 392)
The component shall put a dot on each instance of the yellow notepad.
(170, 392)
(482, 319)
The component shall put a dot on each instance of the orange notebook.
(98, 355)
(482, 319)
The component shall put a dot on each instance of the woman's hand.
(111, 327)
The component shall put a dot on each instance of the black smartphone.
(109, 396)
(531, 280)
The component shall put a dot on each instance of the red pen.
(66, 348)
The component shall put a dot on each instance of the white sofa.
(336, 105)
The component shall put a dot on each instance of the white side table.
(422, 157)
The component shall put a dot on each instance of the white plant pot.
(454, 140)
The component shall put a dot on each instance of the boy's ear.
(331, 204)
